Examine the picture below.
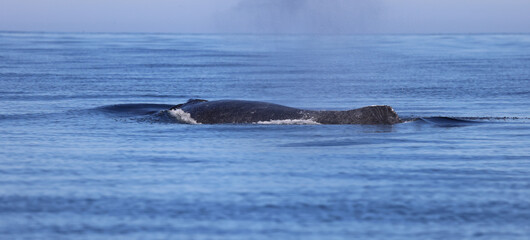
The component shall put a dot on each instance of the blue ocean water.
(84, 154)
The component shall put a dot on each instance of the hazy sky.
(267, 16)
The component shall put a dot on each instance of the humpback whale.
(238, 111)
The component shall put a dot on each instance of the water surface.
(84, 154)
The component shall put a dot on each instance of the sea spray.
(182, 116)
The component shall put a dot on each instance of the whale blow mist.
(301, 16)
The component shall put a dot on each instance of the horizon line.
(261, 34)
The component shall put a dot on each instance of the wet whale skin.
(239, 111)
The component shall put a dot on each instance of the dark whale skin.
(238, 111)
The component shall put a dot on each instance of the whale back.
(237, 111)
(367, 115)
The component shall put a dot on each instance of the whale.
(241, 111)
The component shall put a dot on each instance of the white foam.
(182, 116)
(289, 122)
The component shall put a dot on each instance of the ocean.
(86, 153)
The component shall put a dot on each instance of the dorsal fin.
(190, 101)
(195, 100)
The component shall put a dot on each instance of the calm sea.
(85, 154)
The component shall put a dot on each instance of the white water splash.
(289, 122)
(182, 116)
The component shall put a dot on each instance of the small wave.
(492, 118)
(135, 109)
(26, 116)
(462, 121)
(196, 65)
(409, 119)
(337, 143)
(520, 93)
(181, 116)
(41, 97)
(447, 121)
(289, 122)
